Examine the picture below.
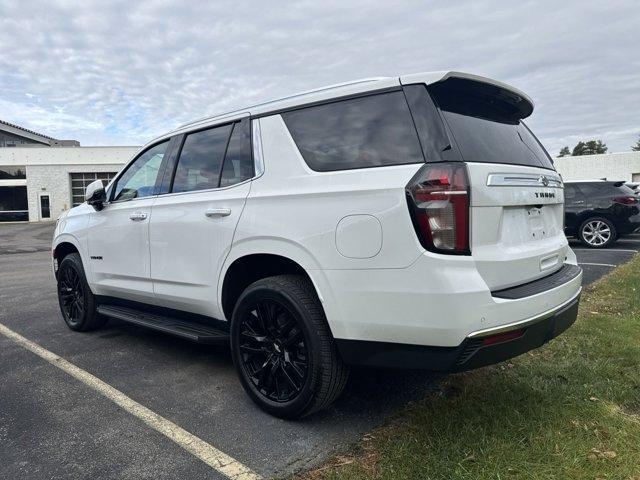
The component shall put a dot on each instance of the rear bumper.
(475, 351)
(631, 225)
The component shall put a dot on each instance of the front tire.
(282, 348)
(77, 302)
(597, 232)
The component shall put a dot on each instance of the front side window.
(201, 160)
(372, 131)
(139, 180)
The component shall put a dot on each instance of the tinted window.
(12, 172)
(238, 162)
(569, 191)
(592, 189)
(201, 160)
(624, 190)
(139, 180)
(485, 122)
(436, 145)
(370, 131)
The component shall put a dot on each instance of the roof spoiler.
(515, 97)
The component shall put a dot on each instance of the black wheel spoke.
(273, 351)
(288, 377)
(298, 369)
(253, 350)
(293, 338)
(254, 337)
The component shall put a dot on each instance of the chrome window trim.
(208, 190)
(258, 160)
(524, 180)
(256, 141)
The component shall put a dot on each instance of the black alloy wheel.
(273, 350)
(71, 294)
(77, 302)
(282, 347)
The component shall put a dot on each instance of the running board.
(196, 332)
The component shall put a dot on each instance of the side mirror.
(95, 195)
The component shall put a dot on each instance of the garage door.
(13, 204)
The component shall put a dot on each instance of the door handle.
(217, 212)
(138, 216)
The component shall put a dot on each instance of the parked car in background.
(598, 212)
(408, 222)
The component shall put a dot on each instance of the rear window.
(600, 189)
(624, 190)
(485, 122)
(372, 131)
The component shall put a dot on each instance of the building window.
(80, 181)
(12, 172)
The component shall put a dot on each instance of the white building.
(39, 183)
(612, 166)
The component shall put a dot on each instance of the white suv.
(410, 222)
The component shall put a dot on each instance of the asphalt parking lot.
(53, 426)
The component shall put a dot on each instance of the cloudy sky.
(121, 72)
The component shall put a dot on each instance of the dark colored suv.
(599, 212)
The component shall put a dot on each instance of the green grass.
(569, 410)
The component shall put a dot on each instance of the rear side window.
(238, 163)
(201, 159)
(485, 122)
(372, 131)
(569, 192)
(590, 190)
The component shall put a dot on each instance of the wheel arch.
(251, 261)
(63, 246)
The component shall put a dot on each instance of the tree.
(590, 147)
(564, 152)
(636, 147)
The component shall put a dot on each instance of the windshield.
(485, 122)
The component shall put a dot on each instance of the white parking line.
(603, 250)
(210, 455)
(597, 264)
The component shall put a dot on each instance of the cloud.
(122, 72)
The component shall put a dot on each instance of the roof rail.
(288, 97)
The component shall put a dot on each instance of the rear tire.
(77, 302)
(597, 232)
(283, 350)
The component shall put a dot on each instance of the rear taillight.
(438, 199)
(626, 200)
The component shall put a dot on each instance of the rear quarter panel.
(300, 209)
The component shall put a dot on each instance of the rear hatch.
(516, 196)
